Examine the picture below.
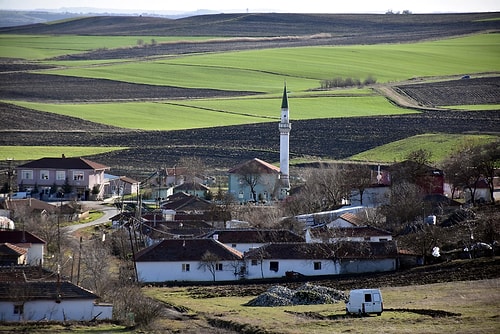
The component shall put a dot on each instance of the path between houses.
(109, 211)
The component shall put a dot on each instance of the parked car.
(365, 302)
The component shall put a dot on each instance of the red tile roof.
(255, 166)
(10, 249)
(352, 218)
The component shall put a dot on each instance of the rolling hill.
(222, 147)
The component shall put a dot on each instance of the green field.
(439, 144)
(40, 47)
(190, 114)
(37, 152)
(262, 71)
(304, 67)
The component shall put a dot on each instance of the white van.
(365, 301)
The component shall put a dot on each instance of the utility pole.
(10, 174)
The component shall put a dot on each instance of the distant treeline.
(346, 82)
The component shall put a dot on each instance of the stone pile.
(307, 294)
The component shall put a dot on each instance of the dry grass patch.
(475, 301)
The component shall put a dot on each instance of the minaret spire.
(284, 101)
(284, 128)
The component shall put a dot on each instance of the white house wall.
(75, 309)
(35, 254)
(241, 191)
(304, 267)
(172, 271)
(372, 197)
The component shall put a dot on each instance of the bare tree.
(132, 307)
(471, 163)
(194, 167)
(405, 204)
(210, 262)
(357, 177)
(420, 156)
(96, 259)
(324, 189)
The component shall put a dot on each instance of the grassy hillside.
(305, 67)
(211, 113)
(439, 144)
(37, 152)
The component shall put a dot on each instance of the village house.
(115, 186)
(254, 181)
(208, 259)
(188, 260)
(85, 177)
(11, 255)
(35, 294)
(34, 246)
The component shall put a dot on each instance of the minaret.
(284, 128)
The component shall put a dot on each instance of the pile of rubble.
(307, 294)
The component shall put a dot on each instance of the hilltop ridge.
(269, 24)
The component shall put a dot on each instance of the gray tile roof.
(64, 163)
(186, 250)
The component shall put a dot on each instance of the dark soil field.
(223, 147)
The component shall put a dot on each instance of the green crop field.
(37, 47)
(37, 152)
(223, 112)
(439, 144)
(304, 67)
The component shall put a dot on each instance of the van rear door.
(372, 302)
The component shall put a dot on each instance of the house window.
(218, 266)
(60, 175)
(44, 175)
(27, 174)
(185, 267)
(18, 309)
(255, 262)
(78, 176)
(317, 265)
(274, 266)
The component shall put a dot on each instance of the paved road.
(109, 211)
